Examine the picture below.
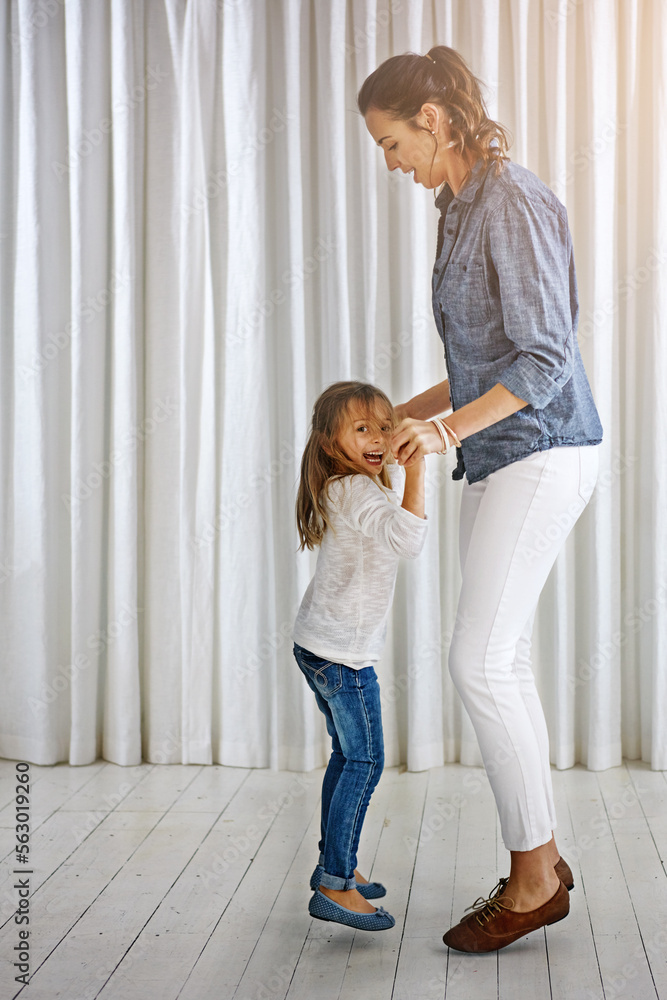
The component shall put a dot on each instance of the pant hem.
(532, 844)
(335, 882)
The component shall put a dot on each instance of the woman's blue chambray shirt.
(506, 308)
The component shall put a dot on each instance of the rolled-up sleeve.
(368, 509)
(531, 250)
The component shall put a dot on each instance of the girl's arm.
(415, 438)
(363, 505)
(413, 492)
(427, 404)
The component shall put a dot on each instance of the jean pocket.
(327, 676)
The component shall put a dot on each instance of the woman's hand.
(413, 439)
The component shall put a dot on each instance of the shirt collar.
(469, 189)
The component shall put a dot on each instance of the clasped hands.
(412, 439)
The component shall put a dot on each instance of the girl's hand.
(413, 439)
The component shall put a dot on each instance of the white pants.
(513, 524)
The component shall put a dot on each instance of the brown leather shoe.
(493, 925)
(564, 873)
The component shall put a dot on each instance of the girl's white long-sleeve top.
(344, 612)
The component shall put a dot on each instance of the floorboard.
(191, 883)
(571, 954)
(475, 874)
(608, 900)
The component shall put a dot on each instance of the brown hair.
(323, 460)
(401, 85)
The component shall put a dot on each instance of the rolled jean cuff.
(335, 882)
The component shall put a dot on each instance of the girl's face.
(364, 439)
(410, 150)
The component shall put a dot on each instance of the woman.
(505, 305)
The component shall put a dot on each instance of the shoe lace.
(499, 889)
(488, 908)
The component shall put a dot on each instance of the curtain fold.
(197, 234)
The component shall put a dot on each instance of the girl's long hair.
(323, 460)
(401, 85)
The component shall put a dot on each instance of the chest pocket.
(463, 293)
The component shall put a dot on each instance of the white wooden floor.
(159, 882)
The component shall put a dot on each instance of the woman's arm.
(415, 438)
(427, 404)
(488, 409)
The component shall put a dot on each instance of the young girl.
(348, 505)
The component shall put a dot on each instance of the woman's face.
(406, 148)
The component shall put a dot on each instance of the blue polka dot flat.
(323, 908)
(369, 890)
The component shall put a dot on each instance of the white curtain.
(197, 235)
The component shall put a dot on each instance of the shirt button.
(450, 231)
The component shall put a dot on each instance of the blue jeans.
(350, 702)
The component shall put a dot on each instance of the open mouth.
(374, 457)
